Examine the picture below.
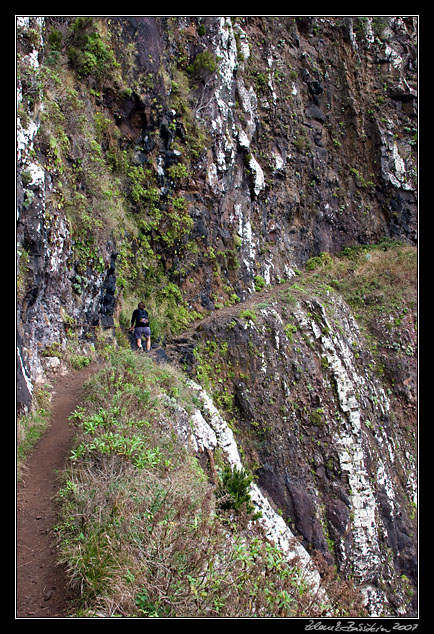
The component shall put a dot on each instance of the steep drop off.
(324, 408)
(189, 162)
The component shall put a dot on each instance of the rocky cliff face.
(189, 161)
(324, 409)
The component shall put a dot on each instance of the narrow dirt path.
(224, 314)
(177, 349)
(41, 590)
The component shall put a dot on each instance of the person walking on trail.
(140, 325)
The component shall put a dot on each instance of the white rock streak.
(350, 444)
(209, 431)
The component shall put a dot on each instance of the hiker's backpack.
(142, 317)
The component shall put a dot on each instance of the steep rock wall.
(199, 154)
(61, 295)
(308, 152)
(332, 442)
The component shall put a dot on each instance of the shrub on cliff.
(88, 53)
(233, 491)
(203, 66)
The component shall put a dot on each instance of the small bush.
(79, 361)
(323, 259)
(203, 65)
(259, 283)
(88, 53)
(233, 491)
(317, 417)
(290, 330)
(54, 39)
(177, 172)
(248, 315)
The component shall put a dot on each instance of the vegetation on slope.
(144, 532)
(378, 283)
(114, 202)
(273, 365)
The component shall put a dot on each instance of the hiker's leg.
(139, 334)
(147, 334)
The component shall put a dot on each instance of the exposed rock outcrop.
(332, 438)
(280, 137)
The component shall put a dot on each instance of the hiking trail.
(223, 314)
(42, 590)
(41, 583)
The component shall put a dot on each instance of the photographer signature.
(352, 626)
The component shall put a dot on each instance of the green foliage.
(171, 306)
(248, 315)
(262, 81)
(379, 284)
(203, 65)
(88, 53)
(177, 223)
(379, 23)
(360, 179)
(259, 283)
(211, 368)
(54, 39)
(105, 193)
(109, 431)
(196, 138)
(149, 608)
(302, 142)
(30, 428)
(79, 361)
(317, 417)
(52, 350)
(178, 172)
(143, 530)
(290, 330)
(321, 260)
(32, 425)
(371, 278)
(149, 532)
(233, 491)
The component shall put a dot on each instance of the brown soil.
(42, 590)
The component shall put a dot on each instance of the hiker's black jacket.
(138, 315)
